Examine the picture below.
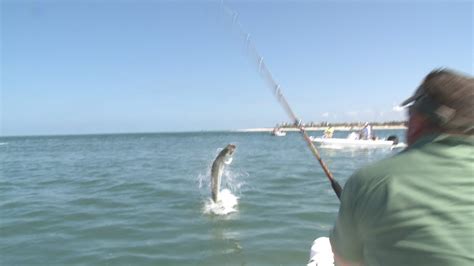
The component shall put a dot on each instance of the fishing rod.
(277, 91)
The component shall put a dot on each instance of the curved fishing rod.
(263, 70)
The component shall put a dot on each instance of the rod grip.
(337, 188)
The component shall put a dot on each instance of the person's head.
(444, 103)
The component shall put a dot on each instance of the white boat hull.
(321, 253)
(279, 134)
(353, 143)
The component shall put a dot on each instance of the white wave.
(226, 204)
(3, 143)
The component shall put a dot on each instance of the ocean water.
(144, 199)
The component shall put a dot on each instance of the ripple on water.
(136, 199)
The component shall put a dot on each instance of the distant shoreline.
(336, 128)
(262, 129)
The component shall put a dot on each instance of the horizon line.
(241, 130)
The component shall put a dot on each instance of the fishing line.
(277, 91)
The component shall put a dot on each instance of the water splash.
(226, 204)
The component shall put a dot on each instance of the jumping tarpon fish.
(224, 158)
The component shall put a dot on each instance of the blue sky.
(76, 67)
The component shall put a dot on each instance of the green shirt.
(415, 208)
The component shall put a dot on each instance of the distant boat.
(338, 143)
(278, 132)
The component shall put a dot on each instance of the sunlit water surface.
(144, 199)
